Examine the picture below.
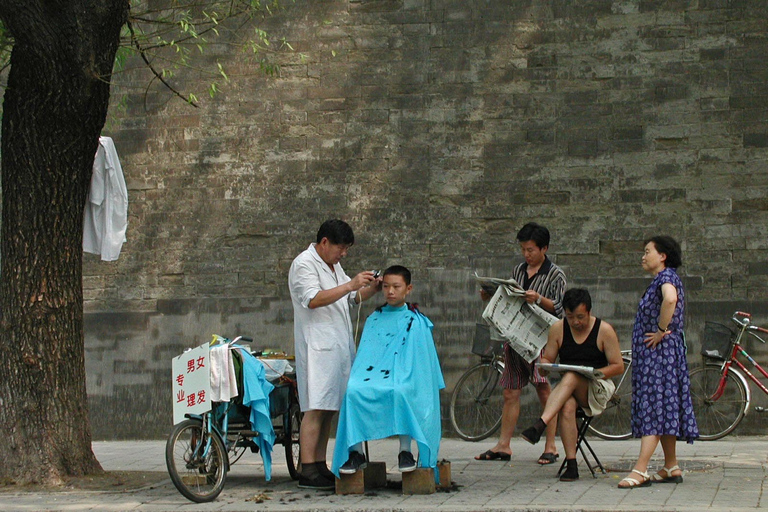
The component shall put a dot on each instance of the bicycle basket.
(482, 345)
(716, 342)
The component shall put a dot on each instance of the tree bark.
(54, 108)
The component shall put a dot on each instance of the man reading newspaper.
(541, 286)
(582, 340)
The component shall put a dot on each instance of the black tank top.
(584, 354)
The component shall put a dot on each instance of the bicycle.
(202, 447)
(477, 399)
(720, 393)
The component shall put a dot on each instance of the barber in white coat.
(322, 295)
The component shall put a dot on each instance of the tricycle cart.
(208, 437)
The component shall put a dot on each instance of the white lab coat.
(106, 209)
(324, 344)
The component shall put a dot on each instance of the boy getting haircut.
(394, 387)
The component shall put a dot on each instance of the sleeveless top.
(584, 354)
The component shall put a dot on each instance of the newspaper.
(524, 326)
(491, 284)
(586, 371)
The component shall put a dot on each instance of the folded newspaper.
(524, 326)
(586, 371)
(491, 284)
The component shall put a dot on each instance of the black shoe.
(531, 434)
(318, 483)
(405, 462)
(355, 463)
(571, 473)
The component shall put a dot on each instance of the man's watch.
(538, 300)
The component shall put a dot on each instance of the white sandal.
(634, 482)
(670, 478)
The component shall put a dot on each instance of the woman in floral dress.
(661, 397)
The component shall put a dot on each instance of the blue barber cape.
(394, 386)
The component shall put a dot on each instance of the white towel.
(223, 380)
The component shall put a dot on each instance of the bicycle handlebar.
(744, 322)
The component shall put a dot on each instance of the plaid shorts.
(518, 372)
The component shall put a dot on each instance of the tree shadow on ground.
(109, 481)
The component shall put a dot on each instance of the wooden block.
(375, 475)
(444, 471)
(351, 484)
(372, 477)
(419, 481)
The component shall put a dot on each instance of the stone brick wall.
(437, 128)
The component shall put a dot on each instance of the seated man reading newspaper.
(394, 386)
(585, 341)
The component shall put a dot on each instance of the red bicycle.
(720, 391)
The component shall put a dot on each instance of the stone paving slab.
(725, 475)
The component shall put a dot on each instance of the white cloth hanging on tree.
(106, 209)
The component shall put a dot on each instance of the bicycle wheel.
(196, 461)
(615, 422)
(717, 418)
(292, 425)
(476, 403)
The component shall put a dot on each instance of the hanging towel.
(223, 380)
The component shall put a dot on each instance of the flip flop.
(491, 455)
(548, 458)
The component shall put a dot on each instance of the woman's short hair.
(668, 246)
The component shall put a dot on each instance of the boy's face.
(395, 290)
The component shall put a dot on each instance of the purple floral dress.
(661, 388)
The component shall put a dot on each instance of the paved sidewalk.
(725, 475)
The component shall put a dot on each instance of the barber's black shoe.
(318, 483)
(531, 434)
(405, 462)
(355, 463)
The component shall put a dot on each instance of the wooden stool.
(419, 481)
(372, 477)
(444, 472)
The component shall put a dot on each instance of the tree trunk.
(54, 108)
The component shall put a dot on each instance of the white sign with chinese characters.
(191, 383)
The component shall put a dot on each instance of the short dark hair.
(536, 232)
(575, 296)
(399, 270)
(337, 232)
(668, 246)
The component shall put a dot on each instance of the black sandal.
(550, 458)
(491, 455)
